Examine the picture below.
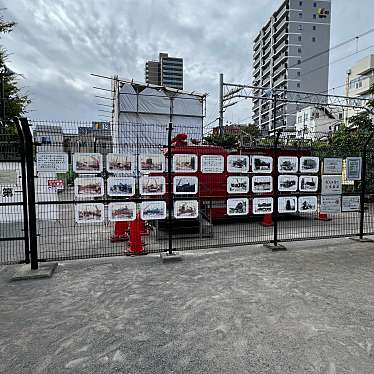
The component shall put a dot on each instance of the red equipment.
(121, 232)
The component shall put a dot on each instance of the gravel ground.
(235, 310)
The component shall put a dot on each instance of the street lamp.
(4, 72)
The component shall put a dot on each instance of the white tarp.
(144, 116)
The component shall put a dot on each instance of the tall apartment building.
(291, 52)
(168, 71)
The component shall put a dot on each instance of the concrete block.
(24, 272)
(275, 248)
(363, 240)
(166, 257)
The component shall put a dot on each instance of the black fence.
(114, 189)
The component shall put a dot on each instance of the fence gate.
(13, 208)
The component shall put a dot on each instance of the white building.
(316, 122)
(360, 77)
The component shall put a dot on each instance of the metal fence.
(88, 189)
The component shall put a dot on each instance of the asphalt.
(233, 310)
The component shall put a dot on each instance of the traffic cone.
(121, 229)
(135, 243)
(267, 220)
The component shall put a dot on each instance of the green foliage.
(15, 101)
(226, 140)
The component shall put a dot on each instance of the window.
(314, 16)
(298, 74)
(298, 62)
(299, 27)
(315, 5)
(300, 15)
(298, 85)
(299, 38)
(300, 3)
(316, 115)
(314, 27)
(299, 50)
(313, 39)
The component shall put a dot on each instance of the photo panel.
(152, 185)
(185, 185)
(354, 165)
(121, 186)
(262, 183)
(185, 163)
(287, 183)
(152, 210)
(120, 163)
(308, 183)
(237, 164)
(351, 203)
(237, 184)
(89, 187)
(152, 163)
(262, 205)
(288, 164)
(186, 209)
(287, 204)
(89, 213)
(237, 207)
(87, 163)
(122, 211)
(309, 165)
(331, 184)
(331, 204)
(212, 164)
(262, 164)
(332, 166)
(307, 204)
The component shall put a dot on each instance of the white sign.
(87, 163)
(237, 207)
(307, 204)
(237, 164)
(262, 183)
(237, 184)
(212, 164)
(309, 164)
(152, 185)
(123, 211)
(332, 166)
(150, 210)
(287, 204)
(351, 203)
(89, 187)
(331, 184)
(152, 163)
(262, 164)
(8, 177)
(56, 162)
(288, 164)
(184, 163)
(89, 213)
(354, 165)
(262, 205)
(186, 209)
(330, 204)
(121, 186)
(120, 163)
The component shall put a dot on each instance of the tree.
(15, 101)
(226, 140)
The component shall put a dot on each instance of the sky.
(58, 43)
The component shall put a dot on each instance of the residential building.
(50, 138)
(291, 52)
(360, 77)
(317, 122)
(167, 71)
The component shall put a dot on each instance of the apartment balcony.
(256, 53)
(281, 58)
(281, 27)
(281, 70)
(281, 47)
(266, 53)
(281, 14)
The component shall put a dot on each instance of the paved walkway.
(239, 310)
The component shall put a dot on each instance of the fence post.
(170, 190)
(363, 187)
(24, 190)
(29, 158)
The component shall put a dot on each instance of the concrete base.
(24, 272)
(363, 240)
(166, 257)
(275, 248)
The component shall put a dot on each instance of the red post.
(121, 230)
(267, 220)
(135, 243)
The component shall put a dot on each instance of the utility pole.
(220, 123)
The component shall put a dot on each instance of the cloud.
(57, 44)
